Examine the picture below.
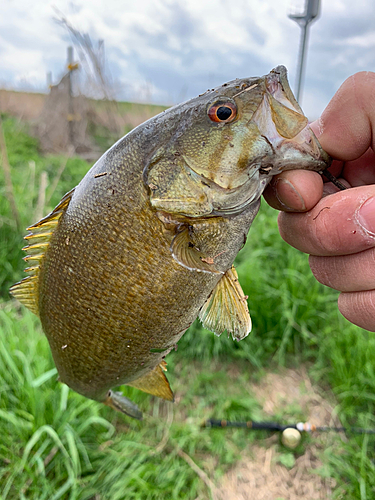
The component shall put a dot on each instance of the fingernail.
(285, 190)
(366, 216)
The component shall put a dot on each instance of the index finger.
(345, 129)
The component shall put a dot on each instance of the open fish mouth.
(283, 125)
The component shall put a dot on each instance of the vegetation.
(55, 444)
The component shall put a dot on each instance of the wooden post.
(70, 104)
(49, 80)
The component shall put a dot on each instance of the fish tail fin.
(120, 403)
(26, 290)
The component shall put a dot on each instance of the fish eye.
(222, 112)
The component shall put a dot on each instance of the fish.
(145, 243)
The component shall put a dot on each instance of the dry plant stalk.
(198, 471)
(98, 83)
(41, 196)
(91, 59)
(59, 173)
(9, 192)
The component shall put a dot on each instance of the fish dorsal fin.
(155, 383)
(226, 308)
(26, 290)
(188, 255)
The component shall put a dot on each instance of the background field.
(56, 444)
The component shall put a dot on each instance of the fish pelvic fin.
(226, 308)
(120, 403)
(155, 383)
(26, 290)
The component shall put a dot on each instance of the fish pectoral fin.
(154, 383)
(26, 290)
(188, 255)
(118, 402)
(226, 308)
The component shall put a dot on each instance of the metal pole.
(301, 60)
(310, 13)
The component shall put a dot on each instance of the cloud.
(173, 49)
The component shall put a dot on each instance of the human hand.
(337, 228)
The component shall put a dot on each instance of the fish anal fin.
(26, 290)
(226, 308)
(188, 255)
(154, 383)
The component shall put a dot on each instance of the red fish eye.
(223, 112)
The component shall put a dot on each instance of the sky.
(167, 51)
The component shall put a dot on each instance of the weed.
(55, 444)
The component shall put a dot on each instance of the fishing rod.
(291, 433)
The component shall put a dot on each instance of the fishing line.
(333, 179)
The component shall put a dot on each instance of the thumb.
(342, 223)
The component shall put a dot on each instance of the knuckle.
(359, 308)
(321, 271)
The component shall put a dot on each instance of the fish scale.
(146, 242)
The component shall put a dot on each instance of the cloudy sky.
(169, 50)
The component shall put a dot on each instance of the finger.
(358, 308)
(361, 172)
(346, 273)
(335, 169)
(297, 190)
(330, 188)
(340, 224)
(345, 129)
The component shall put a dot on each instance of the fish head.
(228, 143)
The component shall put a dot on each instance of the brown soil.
(259, 474)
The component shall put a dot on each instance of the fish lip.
(307, 154)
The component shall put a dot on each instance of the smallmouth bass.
(146, 242)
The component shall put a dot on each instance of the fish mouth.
(281, 122)
(302, 152)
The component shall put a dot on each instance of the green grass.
(27, 167)
(56, 444)
(59, 443)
